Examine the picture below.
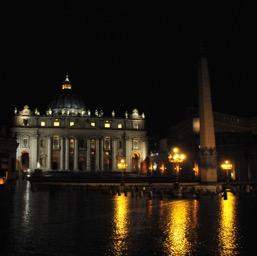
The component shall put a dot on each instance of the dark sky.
(122, 55)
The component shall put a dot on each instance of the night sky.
(122, 55)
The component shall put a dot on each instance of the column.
(114, 153)
(101, 154)
(33, 158)
(97, 154)
(88, 154)
(61, 154)
(66, 155)
(127, 153)
(49, 153)
(75, 154)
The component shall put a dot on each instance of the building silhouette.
(8, 146)
(208, 138)
(235, 139)
(71, 137)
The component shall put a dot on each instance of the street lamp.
(122, 166)
(227, 166)
(176, 158)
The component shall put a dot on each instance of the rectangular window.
(107, 125)
(93, 124)
(82, 143)
(92, 144)
(71, 143)
(135, 144)
(72, 123)
(56, 123)
(25, 143)
(55, 142)
(25, 122)
(107, 144)
(42, 143)
(135, 125)
(120, 126)
(43, 123)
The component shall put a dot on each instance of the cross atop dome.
(66, 84)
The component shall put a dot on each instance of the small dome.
(67, 103)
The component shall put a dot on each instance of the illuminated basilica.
(71, 137)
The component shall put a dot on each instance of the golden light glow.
(196, 125)
(179, 240)
(196, 169)
(162, 168)
(228, 232)
(122, 164)
(226, 165)
(2, 180)
(121, 224)
(176, 158)
(66, 87)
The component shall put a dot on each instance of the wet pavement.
(74, 222)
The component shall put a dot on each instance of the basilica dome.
(66, 103)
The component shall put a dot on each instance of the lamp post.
(176, 158)
(227, 166)
(122, 166)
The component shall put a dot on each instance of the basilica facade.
(68, 136)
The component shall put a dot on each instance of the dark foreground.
(70, 222)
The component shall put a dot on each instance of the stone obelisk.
(208, 155)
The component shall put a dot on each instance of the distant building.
(236, 140)
(208, 139)
(69, 136)
(8, 146)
